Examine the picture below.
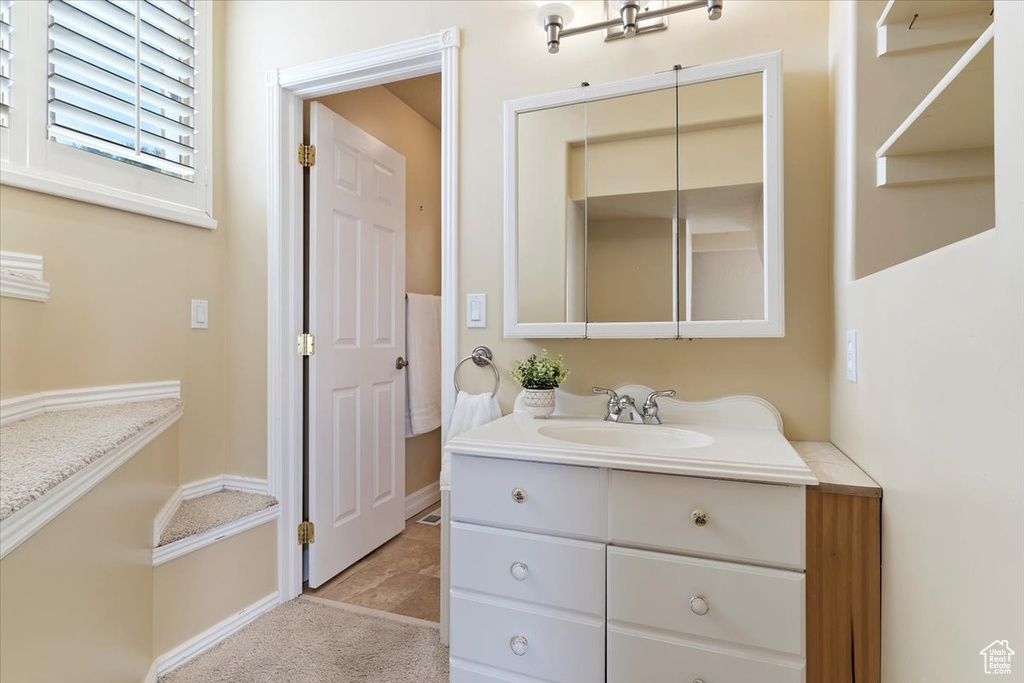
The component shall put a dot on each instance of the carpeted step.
(199, 515)
(44, 450)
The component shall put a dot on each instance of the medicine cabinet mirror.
(647, 208)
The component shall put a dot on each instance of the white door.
(357, 314)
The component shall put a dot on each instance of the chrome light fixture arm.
(554, 16)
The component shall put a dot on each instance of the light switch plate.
(476, 310)
(200, 314)
(851, 355)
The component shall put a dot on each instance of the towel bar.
(482, 357)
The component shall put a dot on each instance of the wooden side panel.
(843, 588)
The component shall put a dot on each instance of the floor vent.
(433, 519)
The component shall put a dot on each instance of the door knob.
(400, 363)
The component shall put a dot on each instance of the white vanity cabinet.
(565, 572)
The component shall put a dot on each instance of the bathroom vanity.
(588, 551)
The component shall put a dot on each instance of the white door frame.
(286, 89)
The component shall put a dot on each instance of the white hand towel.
(470, 411)
(423, 375)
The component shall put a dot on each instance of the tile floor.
(403, 576)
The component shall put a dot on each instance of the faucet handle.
(612, 413)
(651, 405)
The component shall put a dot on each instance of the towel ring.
(482, 357)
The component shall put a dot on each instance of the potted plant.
(538, 375)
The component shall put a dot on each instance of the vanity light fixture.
(555, 16)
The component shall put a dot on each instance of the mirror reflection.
(628, 176)
(720, 202)
(643, 208)
(551, 221)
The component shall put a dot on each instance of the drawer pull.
(518, 495)
(700, 518)
(518, 645)
(519, 571)
(699, 605)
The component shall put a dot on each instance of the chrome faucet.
(625, 404)
(651, 406)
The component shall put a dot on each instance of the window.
(5, 61)
(123, 119)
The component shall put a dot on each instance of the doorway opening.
(372, 251)
(287, 90)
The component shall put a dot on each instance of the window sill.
(91, 193)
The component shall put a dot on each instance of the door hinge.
(305, 343)
(307, 155)
(305, 533)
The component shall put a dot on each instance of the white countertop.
(743, 453)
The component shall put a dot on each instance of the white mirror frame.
(773, 325)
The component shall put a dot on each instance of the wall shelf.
(953, 126)
(937, 23)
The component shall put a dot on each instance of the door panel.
(357, 313)
(347, 233)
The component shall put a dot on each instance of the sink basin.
(627, 437)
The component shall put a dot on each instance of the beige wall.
(76, 599)
(503, 57)
(391, 121)
(937, 416)
(198, 590)
(119, 311)
(21, 321)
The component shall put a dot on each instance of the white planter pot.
(539, 402)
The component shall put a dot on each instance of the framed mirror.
(647, 208)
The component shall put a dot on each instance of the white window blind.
(122, 79)
(5, 62)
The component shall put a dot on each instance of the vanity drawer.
(747, 605)
(558, 499)
(760, 523)
(549, 571)
(556, 649)
(655, 659)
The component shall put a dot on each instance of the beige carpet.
(309, 640)
(39, 452)
(196, 515)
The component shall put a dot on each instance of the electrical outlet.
(851, 355)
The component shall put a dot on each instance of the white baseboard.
(21, 407)
(247, 484)
(419, 501)
(204, 641)
(17, 528)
